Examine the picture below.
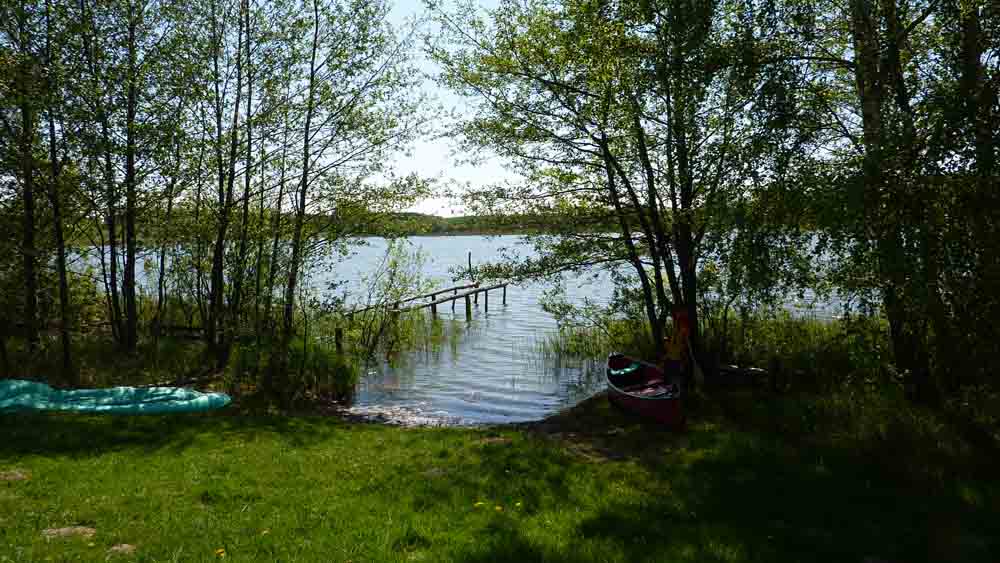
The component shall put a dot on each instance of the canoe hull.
(664, 411)
(635, 392)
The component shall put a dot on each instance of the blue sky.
(436, 158)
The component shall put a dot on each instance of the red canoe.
(643, 389)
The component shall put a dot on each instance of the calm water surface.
(491, 370)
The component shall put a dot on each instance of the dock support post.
(505, 294)
(453, 301)
(434, 310)
(486, 301)
(468, 308)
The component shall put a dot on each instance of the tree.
(54, 189)
(25, 91)
(358, 109)
(641, 114)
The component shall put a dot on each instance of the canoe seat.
(627, 370)
(652, 391)
(637, 387)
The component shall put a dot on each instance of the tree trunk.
(28, 185)
(649, 302)
(300, 212)
(260, 250)
(131, 321)
(240, 272)
(161, 290)
(978, 93)
(57, 218)
(659, 245)
(684, 239)
(112, 195)
(199, 250)
(109, 269)
(657, 295)
(272, 265)
(869, 80)
(219, 343)
(878, 71)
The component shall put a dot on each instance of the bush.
(818, 353)
(314, 370)
(317, 371)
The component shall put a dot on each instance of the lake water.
(494, 371)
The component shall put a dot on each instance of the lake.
(493, 371)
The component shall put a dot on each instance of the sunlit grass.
(788, 479)
(621, 335)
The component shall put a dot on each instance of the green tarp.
(19, 395)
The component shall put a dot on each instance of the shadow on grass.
(738, 498)
(748, 482)
(759, 479)
(55, 434)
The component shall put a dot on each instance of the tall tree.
(226, 178)
(54, 102)
(640, 115)
(26, 92)
(248, 167)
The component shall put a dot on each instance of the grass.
(793, 478)
(317, 368)
(624, 335)
(99, 362)
(813, 354)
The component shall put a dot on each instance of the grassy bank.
(317, 369)
(784, 479)
(812, 353)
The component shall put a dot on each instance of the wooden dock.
(468, 292)
(396, 305)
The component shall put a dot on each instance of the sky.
(436, 158)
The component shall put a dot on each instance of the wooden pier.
(468, 292)
(395, 305)
(455, 296)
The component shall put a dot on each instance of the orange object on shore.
(677, 343)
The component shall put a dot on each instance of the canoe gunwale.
(615, 388)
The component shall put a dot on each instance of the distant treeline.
(422, 224)
(388, 224)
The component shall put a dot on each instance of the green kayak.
(19, 395)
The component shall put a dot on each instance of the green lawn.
(593, 487)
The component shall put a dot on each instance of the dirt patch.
(495, 440)
(122, 549)
(15, 475)
(596, 431)
(69, 532)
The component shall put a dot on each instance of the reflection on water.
(492, 373)
(490, 370)
(486, 371)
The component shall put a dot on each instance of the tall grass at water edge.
(817, 352)
(836, 374)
